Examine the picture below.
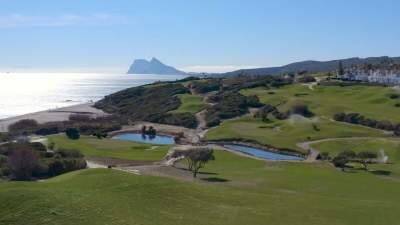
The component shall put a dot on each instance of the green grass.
(287, 133)
(91, 146)
(190, 103)
(391, 147)
(324, 102)
(257, 192)
(372, 102)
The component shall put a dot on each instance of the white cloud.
(215, 68)
(19, 20)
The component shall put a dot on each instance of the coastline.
(53, 115)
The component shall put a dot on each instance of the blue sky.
(209, 35)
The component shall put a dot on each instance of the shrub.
(180, 119)
(306, 79)
(25, 125)
(325, 156)
(68, 153)
(72, 133)
(340, 161)
(366, 157)
(206, 86)
(22, 163)
(301, 110)
(356, 118)
(79, 117)
(229, 105)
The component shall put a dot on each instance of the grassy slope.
(91, 146)
(391, 147)
(373, 102)
(285, 134)
(258, 193)
(190, 103)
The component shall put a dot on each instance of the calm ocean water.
(22, 93)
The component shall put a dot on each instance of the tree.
(365, 158)
(22, 126)
(343, 158)
(72, 133)
(340, 161)
(22, 163)
(301, 110)
(197, 158)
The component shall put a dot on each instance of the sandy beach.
(52, 115)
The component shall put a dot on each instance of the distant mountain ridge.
(154, 66)
(310, 66)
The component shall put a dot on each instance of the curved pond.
(259, 153)
(136, 137)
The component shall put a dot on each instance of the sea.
(22, 93)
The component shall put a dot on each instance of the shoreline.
(54, 115)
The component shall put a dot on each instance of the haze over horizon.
(206, 36)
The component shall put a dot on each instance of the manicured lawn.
(257, 192)
(190, 103)
(391, 148)
(91, 146)
(287, 133)
(372, 102)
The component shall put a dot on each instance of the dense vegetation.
(84, 123)
(356, 118)
(149, 103)
(25, 161)
(229, 105)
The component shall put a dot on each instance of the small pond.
(259, 153)
(136, 137)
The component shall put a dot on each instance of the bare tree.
(197, 158)
(22, 163)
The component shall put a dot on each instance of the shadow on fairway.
(381, 172)
(215, 179)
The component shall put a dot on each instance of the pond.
(259, 153)
(136, 137)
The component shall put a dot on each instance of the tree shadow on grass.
(381, 172)
(215, 179)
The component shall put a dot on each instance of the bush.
(79, 117)
(25, 125)
(206, 86)
(229, 105)
(325, 156)
(340, 161)
(356, 118)
(48, 128)
(68, 153)
(306, 79)
(72, 133)
(22, 163)
(301, 110)
(180, 119)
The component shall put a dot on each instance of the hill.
(311, 66)
(154, 66)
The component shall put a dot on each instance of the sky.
(207, 35)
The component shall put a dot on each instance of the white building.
(388, 77)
